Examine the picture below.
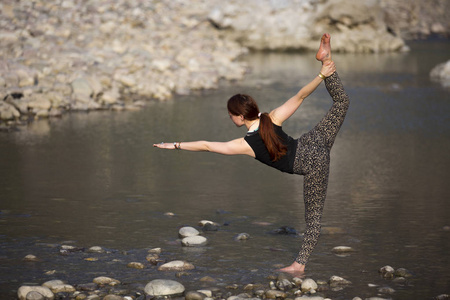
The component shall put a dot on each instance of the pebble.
(30, 257)
(308, 285)
(194, 241)
(96, 249)
(338, 281)
(135, 265)
(342, 249)
(176, 265)
(106, 281)
(187, 232)
(242, 237)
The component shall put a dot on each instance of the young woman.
(267, 142)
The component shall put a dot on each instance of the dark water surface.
(94, 179)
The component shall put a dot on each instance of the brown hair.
(246, 106)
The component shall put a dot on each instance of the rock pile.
(70, 55)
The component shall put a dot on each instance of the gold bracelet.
(321, 75)
(179, 145)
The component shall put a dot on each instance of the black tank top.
(285, 163)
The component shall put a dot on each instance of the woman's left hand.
(328, 68)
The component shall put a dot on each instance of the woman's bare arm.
(233, 147)
(283, 112)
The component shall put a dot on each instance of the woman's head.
(244, 105)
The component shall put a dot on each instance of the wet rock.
(308, 285)
(442, 297)
(387, 271)
(113, 297)
(275, 294)
(203, 223)
(242, 237)
(402, 272)
(441, 73)
(338, 281)
(285, 230)
(342, 249)
(192, 295)
(44, 291)
(162, 287)
(135, 265)
(96, 249)
(386, 290)
(155, 250)
(103, 280)
(35, 296)
(194, 241)
(309, 298)
(187, 232)
(88, 287)
(153, 258)
(176, 265)
(30, 257)
(284, 284)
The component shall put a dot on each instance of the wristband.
(321, 75)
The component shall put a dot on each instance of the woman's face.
(237, 120)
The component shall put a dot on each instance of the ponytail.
(246, 106)
(272, 141)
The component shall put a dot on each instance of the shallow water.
(94, 179)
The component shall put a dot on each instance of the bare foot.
(324, 52)
(295, 269)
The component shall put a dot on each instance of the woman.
(267, 142)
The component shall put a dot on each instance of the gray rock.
(188, 231)
(163, 287)
(176, 265)
(308, 285)
(242, 237)
(342, 249)
(194, 241)
(103, 280)
(33, 295)
(338, 281)
(44, 291)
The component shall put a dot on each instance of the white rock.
(309, 298)
(106, 280)
(8, 112)
(336, 280)
(44, 291)
(176, 265)
(308, 284)
(96, 249)
(188, 231)
(193, 241)
(50, 284)
(161, 287)
(342, 249)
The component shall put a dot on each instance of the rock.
(309, 298)
(187, 232)
(152, 258)
(442, 297)
(155, 250)
(30, 257)
(342, 249)
(275, 294)
(103, 280)
(338, 281)
(387, 271)
(113, 297)
(441, 73)
(194, 241)
(308, 285)
(402, 272)
(242, 237)
(135, 265)
(192, 295)
(8, 112)
(161, 287)
(58, 286)
(284, 284)
(33, 295)
(176, 265)
(206, 222)
(386, 290)
(81, 87)
(44, 291)
(96, 249)
(285, 230)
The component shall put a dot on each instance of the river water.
(94, 179)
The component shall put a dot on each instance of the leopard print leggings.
(312, 160)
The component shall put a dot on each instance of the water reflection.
(94, 177)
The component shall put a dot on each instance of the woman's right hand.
(328, 68)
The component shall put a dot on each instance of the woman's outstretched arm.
(233, 147)
(283, 112)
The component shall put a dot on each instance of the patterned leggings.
(312, 160)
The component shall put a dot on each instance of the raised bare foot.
(295, 269)
(324, 52)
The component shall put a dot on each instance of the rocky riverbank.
(173, 275)
(67, 55)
